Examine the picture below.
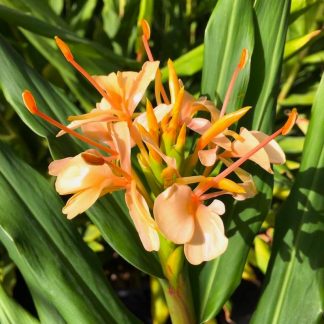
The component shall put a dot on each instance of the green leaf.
(295, 45)
(228, 32)
(218, 279)
(11, 312)
(49, 252)
(294, 289)
(292, 144)
(44, 28)
(316, 58)
(109, 214)
(111, 17)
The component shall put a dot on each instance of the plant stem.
(179, 301)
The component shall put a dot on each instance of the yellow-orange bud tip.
(292, 117)
(64, 49)
(146, 29)
(29, 101)
(243, 59)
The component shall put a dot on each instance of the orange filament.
(31, 105)
(147, 48)
(159, 89)
(240, 66)
(69, 57)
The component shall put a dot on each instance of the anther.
(29, 101)
(31, 105)
(64, 49)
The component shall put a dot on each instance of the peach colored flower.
(124, 90)
(183, 219)
(85, 180)
(270, 153)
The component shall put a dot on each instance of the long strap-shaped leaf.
(218, 279)
(229, 31)
(117, 229)
(11, 312)
(294, 288)
(48, 251)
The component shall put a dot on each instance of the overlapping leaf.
(43, 244)
(218, 279)
(294, 287)
(228, 32)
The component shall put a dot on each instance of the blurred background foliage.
(104, 36)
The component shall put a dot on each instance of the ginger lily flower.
(121, 93)
(186, 220)
(87, 177)
(271, 153)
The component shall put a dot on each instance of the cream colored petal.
(222, 141)
(207, 157)
(273, 149)
(108, 82)
(199, 125)
(121, 137)
(98, 131)
(250, 142)
(81, 201)
(94, 116)
(78, 175)
(174, 212)
(142, 219)
(208, 241)
(250, 190)
(57, 166)
(139, 86)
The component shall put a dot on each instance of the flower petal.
(121, 137)
(139, 86)
(207, 157)
(174, 211)
(81, 201)
(78, 175)
(208, 241)
(57, 166)
(142, 219)
(250, 141)
(273, 149)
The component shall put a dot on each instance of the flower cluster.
(167, 194)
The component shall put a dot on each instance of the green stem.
(179, 301)
(176, 285)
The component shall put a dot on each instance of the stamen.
(292, 117)
(31, 105)
(69, 57)
(145, 38)
(159, 89)
(213, 195)
(190, 180)
(240, 66)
